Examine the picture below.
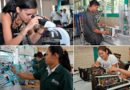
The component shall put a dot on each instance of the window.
(6, 56)
(107, 6)
(111, 6)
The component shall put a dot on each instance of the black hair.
(39, 54)
(64, 9)
(63, 56)
(104, 48)
(35, 55)
(22, 4)
(56, 8)
(94, 2)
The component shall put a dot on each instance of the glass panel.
(111, 6)
(6, 57)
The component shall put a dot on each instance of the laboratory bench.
(119, 40)
(100, 79)
(34, 86)
(31, 87)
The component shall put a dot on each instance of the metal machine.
(105, 81)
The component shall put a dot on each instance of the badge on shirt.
(55, 82)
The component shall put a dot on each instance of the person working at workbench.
(38, 62)
(124, 73)
(15, 15)
(34, 62)
(56, 75)
(91, 31)
(106, 59)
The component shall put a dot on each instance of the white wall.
(83, 56)
(26, 50)
(123, 50)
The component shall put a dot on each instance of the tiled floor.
(80, 84)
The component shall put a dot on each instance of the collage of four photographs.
(64, 44)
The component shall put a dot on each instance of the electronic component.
(109, 81)
(101, 79)
(98, 71)
(7, 77)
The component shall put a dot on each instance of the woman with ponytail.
(106, 59)
(15, 14)
(66, 61)
(56, 75)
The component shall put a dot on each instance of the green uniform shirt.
(42, 64)
(34, 63)
(60, 79)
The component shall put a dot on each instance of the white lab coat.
(64, 18)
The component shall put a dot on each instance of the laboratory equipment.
(98, 71)
(7, 77)
(105, 81)
(56, 36)
(111, 82)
